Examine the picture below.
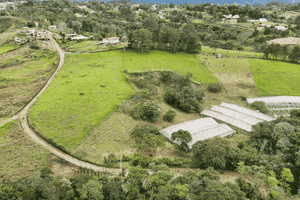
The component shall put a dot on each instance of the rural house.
(111, 40)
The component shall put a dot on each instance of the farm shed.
(200, 129)
(238, 116)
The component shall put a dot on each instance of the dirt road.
(23, 114)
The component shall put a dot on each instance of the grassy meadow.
(20, 156)
(276, 78)
(88, 88)
(20, 77)
(233, 73)
(231, 53)
(6, 48)
(159, 60)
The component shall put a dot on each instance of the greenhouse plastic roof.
(200, 129)
(276, 99)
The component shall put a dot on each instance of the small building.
(219, 55)
(281, 28)
(52, 27)
(235, 17)
(18, 40)
(71, 35)
(111, 40)
(42, 35)
(262, 20)
(79, 37)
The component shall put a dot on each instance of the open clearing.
(276, 78)
(91, 86)
(285, 41)
(20, 77)
(233, 73)
(86, 91)
(159, 60)
(20, 157)
(88, 46)
(231, 53)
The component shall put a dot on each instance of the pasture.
(86, 91)
(276, 78)
(88, 46)
(160, 60)
(6, 48)
(20, 157)
(233, 73)
(20, 77)
(231, 53)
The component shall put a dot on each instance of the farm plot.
(233, 73)
(20, 157)
(159, 60)
(86, 91)
(276, 78)
(22, 76)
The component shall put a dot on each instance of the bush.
(215, 88)
(34, 46)
(147, 111)
(259, 105)
(182, 138)
(143, 161)
(169, 116)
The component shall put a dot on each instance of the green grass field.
(276, 78)
(84, 93)
(20, 78)
(159, 60)
(231, 53)
(88, 46)
(6, 48)
(20, 156)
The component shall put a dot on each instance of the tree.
(189, 39)
(169, 116)
(147, 111)
(141, 39)
(76, 25)
(92, 190)
(295, 54)
(215, 153)
(286, 178)
(113, 190)
(182, 138)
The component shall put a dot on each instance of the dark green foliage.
(148, 111)
(215, 153)
(214, 88)
(110, 160)
(183, 94)
(34, 46)
(147, 137)
(295, 113)
(251, 190)
(259, 105)
(169, 116)
(182, 139)
(113, 190)
(143, 161)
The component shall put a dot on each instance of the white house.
(281, 28)
(111, 40)
(235, 17)
(18, 40)
(71, 35)
(262, 20)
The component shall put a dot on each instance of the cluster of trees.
(282, 52)
(156, 183)
(181, 92)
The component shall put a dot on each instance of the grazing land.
(231, 53)
(233, 73)
(20, 156)
(86, 91)
(88, 46)
(20, 77)
(285, 41)
(276, 78)
(6, 48)
(159, 60)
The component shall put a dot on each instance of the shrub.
(169, 116)
(214, 88)
(182, 138)
(147, 111)
(259, 105)
(34, 46)
(143, 161)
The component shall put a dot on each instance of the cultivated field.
(20, 77)
(20, 156)
(159, 60)
(86, 91)
(285, 41)
(276, 78)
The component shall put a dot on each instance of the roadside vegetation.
(20, 157)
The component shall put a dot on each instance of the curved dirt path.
(23, 114)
